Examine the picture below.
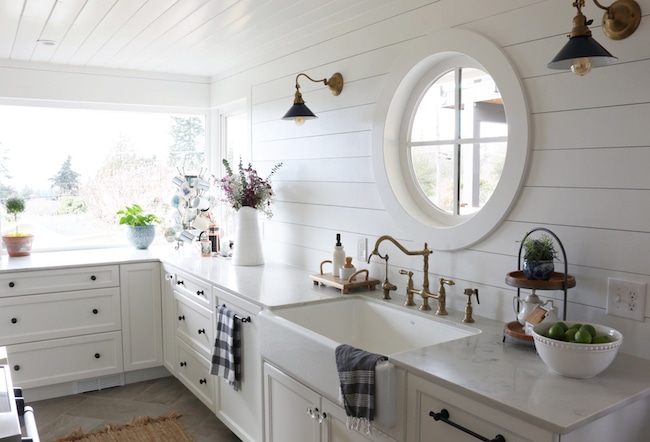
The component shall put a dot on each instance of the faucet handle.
(409, 288)
(468, 307)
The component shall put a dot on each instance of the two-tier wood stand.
(559, 281)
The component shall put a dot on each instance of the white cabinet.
(242, 410)
(628, 423)
(425, 397)
(141, 315)
(61, 325)
(188, 332)
(295, 413)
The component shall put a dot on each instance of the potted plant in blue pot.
(539, 254)
(141, 229)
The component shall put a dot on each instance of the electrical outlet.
(626, 299)
(362, 249)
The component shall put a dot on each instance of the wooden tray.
(516, 330)
(345, 285)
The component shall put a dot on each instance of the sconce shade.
(299, 110)
(582, 46)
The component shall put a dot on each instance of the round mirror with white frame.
(451, 139)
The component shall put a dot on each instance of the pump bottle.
(338, 257)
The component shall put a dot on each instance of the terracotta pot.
(18, 245)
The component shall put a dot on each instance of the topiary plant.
(15, 206)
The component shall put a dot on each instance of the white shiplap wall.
(590, 146)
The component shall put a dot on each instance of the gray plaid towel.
(356, 370)
(226, 355)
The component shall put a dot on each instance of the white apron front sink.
(301, 340)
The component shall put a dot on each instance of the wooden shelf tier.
(518, 279)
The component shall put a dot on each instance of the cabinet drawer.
(58, 315)
(194, 289)
(194, 325)
(59, 280)
(63, 360)
(194, 372)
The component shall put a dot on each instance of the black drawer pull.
(199, 293)
(180, 282)
(12, 284)
(16, 367)
(14, 320)
(202, 381)
(183, 364)
(444, 416)
(201, 330)
(95, 311)
(93, 278)
(97, 356)
(181, 318)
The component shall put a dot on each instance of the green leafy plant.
(539, 249)
(15, 206)
(135, 216)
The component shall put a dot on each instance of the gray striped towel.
(356, 370)
(226, 355)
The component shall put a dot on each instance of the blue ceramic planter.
(141, 237)
(539, 270)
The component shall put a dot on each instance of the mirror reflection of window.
(458, 141)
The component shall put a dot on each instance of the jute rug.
(143, 429)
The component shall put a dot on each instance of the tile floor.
(59, 417)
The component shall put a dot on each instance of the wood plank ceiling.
(197, 37)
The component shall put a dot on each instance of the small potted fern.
(539, 256)
(17, 243)
(141, 229)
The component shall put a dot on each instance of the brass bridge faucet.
(424, 291)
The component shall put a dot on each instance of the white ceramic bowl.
(576, 360)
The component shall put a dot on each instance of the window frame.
(110, 107)
(413, 72)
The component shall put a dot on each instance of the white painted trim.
(393, 104)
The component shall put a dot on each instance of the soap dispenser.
(338, 257)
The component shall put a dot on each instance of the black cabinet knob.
(180, 282)
(200, 293)
(16, 367)
(183, 364)
(93, 278)
(201, 330)
(95, 311)
(12, 284)
(202, 381)
(97, 356)
(181, 318)
(14, 320)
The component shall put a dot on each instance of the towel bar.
(242, 319)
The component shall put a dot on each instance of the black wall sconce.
(299, 112)
(582, 53)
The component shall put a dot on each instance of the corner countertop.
(505, 375)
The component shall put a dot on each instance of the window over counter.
(450, 140)
(76, 167)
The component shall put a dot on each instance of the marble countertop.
(506, 375)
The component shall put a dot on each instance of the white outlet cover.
(626, 299)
